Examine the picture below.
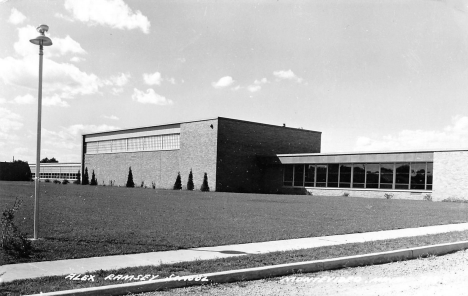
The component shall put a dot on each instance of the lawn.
(84, 221)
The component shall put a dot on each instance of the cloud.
(16, 17)
(77, 59)
(26, 99)
(112, 13)
(171, 80)
(54, 100)
(287, 75)
(454, 135)
(2, 101)
(9, 121)
(261, 81)
(152, 79)
(223, 82)
(254, 88)
(112, 117)
(150, 97)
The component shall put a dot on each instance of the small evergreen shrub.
(178, 182)
(142, 184)
(130, 178)
(427, 197)
(93, 180)
(14, 242)
(65, 182)
(47, 180)
(388, 195)
(190, 185)
(205, 187)
(153, 185)
(78, 179)
(346, 194)
(85, 177)
(57, 182)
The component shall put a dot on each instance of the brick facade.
(450, 175)
(240, 144)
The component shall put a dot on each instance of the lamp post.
(42, 41)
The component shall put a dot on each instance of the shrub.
(78, 179)
(153, 185)
(85, 177)
(93, 180)
(65, 182)
(15, 171)
(205, 187)
(427, 197)
(47, 180)
(388, 195)
(190, 185)
(178, 182)
(455, 199)
(345, 193)
(57, 182)
(14, 242)
(130, 178)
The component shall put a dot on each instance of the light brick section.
(450, 175)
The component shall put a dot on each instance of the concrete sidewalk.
(63, 267)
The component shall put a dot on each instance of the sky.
(370, 75)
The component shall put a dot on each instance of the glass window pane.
(333, 173)
(429, 176)
(135, 144)
(288, 175)
(386, 175)
(154, 143)
(119, 145)
(359, 175)
(171, 141)
(104, 146)
(298, 175)
(309, 175)
(321, 175)
(91, 147)
(402, 175)
(345, 175)
(418, 175)
(372, 175)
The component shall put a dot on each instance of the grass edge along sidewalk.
(269, 271)
(57, 283)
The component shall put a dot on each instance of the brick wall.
(239, 144)
(198, 148)
(450, 175)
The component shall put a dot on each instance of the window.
(153, 143)
(402, 175)
(171, 141)
(309, 175)
(105, 146)
(418, 175)
(372, 175)
(345, 175)
(386, 175)
(321, 175)
(333, 175)
(135, 144)
(298, 175)
(92, 147)
(288, 175)
(429, 175)
(359, 175)
(119, 145)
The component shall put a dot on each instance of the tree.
(205, 186)
(78, 178)
(93, 180)
(85, 177)
(130, 178)
(46, 160)
(190, 185)
(178, 182)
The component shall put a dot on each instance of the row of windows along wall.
(68, 176)
(405, 176)
(151, 143)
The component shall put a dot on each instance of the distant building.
(57, 171)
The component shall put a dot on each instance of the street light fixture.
(40, 40)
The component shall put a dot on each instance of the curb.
(267, 271)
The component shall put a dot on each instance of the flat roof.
(372, 152)
(206, 119)
(57, 163)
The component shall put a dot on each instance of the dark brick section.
(240, 144)
(198, 148)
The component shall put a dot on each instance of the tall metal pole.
(38, 151)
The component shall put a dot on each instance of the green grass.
(84, 221)
(49, 284)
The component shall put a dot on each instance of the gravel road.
(444, 275)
